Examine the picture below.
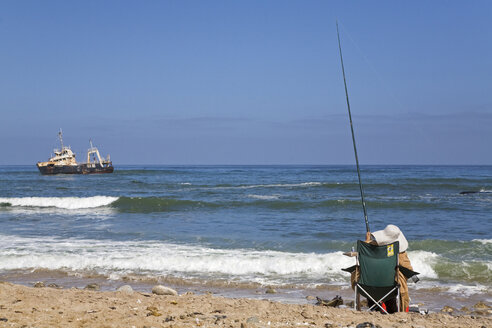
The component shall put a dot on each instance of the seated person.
(389, 235)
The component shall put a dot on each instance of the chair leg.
(357, 300)
(398, 301)
(376, 303)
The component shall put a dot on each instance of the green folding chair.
(377, 274)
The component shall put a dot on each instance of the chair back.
(378, 264)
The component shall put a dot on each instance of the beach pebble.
(92, 287)
(310, 298)
(153, 311)
(126, 289)
(52, 285)
(483, 312)
(306, 315)
(448, 309)
(39, 284)
(367, 325)
(162, 290)
(253, 320)
(481, 305)
(218, 311)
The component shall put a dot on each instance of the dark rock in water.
(55, 286)
(335, 302)
(271, 291)
(92, 287)
(39, 284)
(469, 192)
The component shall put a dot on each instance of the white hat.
(389, 235)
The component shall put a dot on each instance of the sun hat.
(389, 235)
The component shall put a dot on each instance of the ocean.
(237, 229)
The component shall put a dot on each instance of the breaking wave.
(59, 202)
(116, 259)
(161, 259)
(163, 204)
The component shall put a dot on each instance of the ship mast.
(60, 135)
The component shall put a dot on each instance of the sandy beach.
(22, 306)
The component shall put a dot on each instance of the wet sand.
(22, 306)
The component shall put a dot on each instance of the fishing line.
(387, 88)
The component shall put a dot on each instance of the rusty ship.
(63, 162)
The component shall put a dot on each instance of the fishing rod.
(353, 135)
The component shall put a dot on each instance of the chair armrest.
(407, 272)
(351, 269)
(351, 254)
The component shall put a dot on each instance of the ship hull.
(75, 169)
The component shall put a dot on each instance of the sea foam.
(153, 259)
(60, 202)
(264, 197)
(423, 263)
(483, 241)
(115, 258)
(275, 185)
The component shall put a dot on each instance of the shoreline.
(431, 298)
(50, 307)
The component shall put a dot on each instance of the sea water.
(280, 226)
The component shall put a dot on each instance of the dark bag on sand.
(335, 302)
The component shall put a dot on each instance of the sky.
(247, 82)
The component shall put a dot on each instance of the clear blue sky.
(247, 82)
